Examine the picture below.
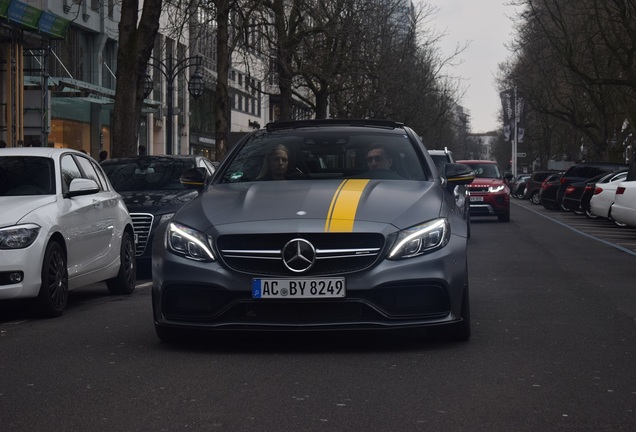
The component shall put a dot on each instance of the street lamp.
(170, 69)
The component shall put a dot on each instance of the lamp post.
(170, 69)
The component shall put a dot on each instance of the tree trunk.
(136, 42)
(221, 105)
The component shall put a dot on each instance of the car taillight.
(562, 180)
(588, 188)
(598, 190)
(620, 190)
(569, 190)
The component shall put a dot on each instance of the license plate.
(476, 198)
(298, 288)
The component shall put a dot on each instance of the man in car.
(378, 158)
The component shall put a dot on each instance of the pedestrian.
(142, 150)
(103, 155)
(3, 144)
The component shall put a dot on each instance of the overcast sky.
(487, 26)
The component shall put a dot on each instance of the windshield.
(485, 170)
(147, 173)
(320, 154)
(26, 175)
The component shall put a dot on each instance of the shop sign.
(24, 14)
(53, 25)
(4, 8)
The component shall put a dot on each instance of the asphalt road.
(553, 349)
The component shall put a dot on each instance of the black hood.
(157, 201)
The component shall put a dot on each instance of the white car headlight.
(19, 236)
(495, 189)
(189, 243)
(421, 239)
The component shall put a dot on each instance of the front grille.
(478, 188)
(336, 253)
(142, 223)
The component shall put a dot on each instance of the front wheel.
(53, 295)
(124, 282)
(534, 198)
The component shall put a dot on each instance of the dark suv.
(533, 186)
(489, 194)
(552, 195)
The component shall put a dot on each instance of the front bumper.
(421, 291)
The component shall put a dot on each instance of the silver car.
(317, 225)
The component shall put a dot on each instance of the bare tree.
(136, 40)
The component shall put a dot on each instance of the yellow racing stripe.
(344, 204)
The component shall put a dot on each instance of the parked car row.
(597, 190)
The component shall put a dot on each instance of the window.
(70, 171)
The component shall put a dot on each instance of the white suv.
(62, 226)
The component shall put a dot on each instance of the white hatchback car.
(62, 226)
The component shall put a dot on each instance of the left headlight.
(495, 189)
(189, 243)
(421, 239)
(19, 236)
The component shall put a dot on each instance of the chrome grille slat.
(142, 224)
(264, 254)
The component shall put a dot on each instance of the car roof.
(295, 124)
(147, 157)
(469, 161)
(37, 151)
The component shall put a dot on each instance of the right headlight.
(19, 236)
(421, 239)
(189, 243)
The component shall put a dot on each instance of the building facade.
(58, 78)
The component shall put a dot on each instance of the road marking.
(608, 243)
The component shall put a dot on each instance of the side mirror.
(82, 186)
(458, 174)
(194, 178)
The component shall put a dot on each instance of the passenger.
(275, 165)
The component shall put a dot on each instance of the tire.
(534, 198)
(590, 215)
(53, 295)
(124, 282)
(617, 223)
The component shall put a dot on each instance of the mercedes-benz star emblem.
(299, 255)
